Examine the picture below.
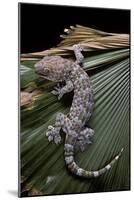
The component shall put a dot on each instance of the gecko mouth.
(43, 76)
(39, 72)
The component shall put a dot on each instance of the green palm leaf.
(43, 169)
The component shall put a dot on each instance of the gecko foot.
(78, 47)
(84, 138)
(77, 50)
(53, 135)
(58, 91)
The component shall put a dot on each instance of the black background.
(41, 25)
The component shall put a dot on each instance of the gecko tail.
(75, 169)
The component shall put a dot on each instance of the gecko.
(59, 70)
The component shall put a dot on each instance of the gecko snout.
(38, 68)
(41, 70)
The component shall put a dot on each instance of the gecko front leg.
(77, 51)
(60, 91)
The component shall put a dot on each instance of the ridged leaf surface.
(42, 163)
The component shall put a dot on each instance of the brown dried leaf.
(25, 98)
(90, 39)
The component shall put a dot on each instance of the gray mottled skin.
(58, 69)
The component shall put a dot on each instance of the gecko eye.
(46, 71)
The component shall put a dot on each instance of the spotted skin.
(58, 69)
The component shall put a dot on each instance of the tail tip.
(122, 150)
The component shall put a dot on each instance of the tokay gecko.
(58, 69)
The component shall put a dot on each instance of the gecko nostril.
(37, 67)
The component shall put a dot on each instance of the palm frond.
(42, 163)
(90, 39)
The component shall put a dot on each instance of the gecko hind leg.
(53, 132)
(84, 138)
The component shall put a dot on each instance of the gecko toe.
(57, 139)
(53, 135)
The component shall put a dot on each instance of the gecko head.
(51, 68)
